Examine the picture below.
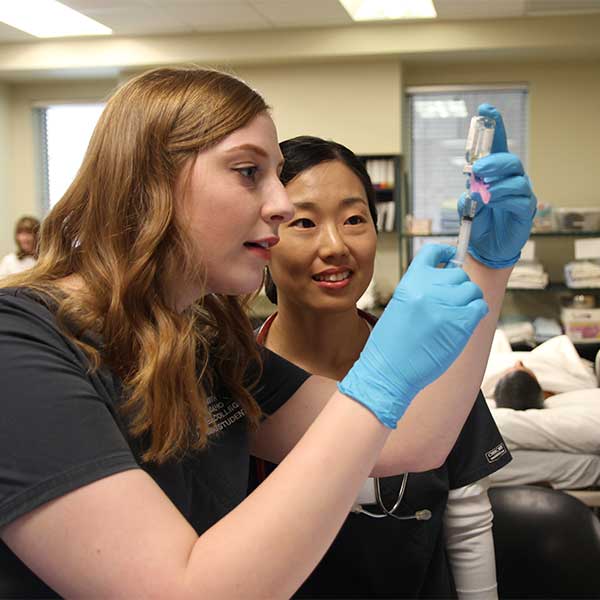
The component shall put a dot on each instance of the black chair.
(547, 544)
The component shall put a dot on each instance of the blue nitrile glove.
(424, 327)
(500, 228)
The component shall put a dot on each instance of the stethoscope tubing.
(420, 515)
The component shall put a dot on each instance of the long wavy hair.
(116, 228)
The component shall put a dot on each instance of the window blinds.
(438, 125)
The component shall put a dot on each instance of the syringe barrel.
(462, 245)
(464, 233)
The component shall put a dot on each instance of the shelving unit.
(406, 237)
(535, 234)
(406, 251)
(533, 302)
(388, 191)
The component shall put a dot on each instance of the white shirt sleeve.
(469, 542)
(11, 264)
(4, 271)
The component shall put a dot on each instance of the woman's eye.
(355, 220)
(302, 223)
(248, 172)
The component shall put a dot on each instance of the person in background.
(133, 390)
(524, 379)
(519, 389)
(317, 273)
(26, 238)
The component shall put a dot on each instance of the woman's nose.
(277, 207)
(332, 242)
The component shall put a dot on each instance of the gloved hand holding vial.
(498, 208)
(479, 144)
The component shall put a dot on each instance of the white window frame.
(77, 144)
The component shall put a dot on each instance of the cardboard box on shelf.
(582, 325)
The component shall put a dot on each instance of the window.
(438, 123)
(65, 133)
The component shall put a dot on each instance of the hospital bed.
(558, 445)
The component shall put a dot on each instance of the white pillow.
(567, 399)
(572, 424)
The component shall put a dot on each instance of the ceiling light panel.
(379, 10)
(48, 18)
(139, 20)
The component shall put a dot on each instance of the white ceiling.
(147, 17)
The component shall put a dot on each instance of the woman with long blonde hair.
(133, 391)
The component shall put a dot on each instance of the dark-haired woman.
(437, 541)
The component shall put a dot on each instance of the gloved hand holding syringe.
(479, 144)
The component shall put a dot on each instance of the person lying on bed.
(523, 380)
(519, 389)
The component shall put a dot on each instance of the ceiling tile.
(139, 20)
(85, 5)
(140, 17)
(223, 16)
(288, 13)
(561, 7)
(478, 9)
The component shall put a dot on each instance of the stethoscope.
(420, 515)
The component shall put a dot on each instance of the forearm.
(121, 536)
(439, 411)
(271, 542)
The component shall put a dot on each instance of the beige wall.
(24, 177)
(6, 203)
(355, 103)
(549, 37)
(359, 103)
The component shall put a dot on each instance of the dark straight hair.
(518, 390)
(305, 152)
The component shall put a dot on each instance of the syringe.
(464, 233)
(479, 144)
